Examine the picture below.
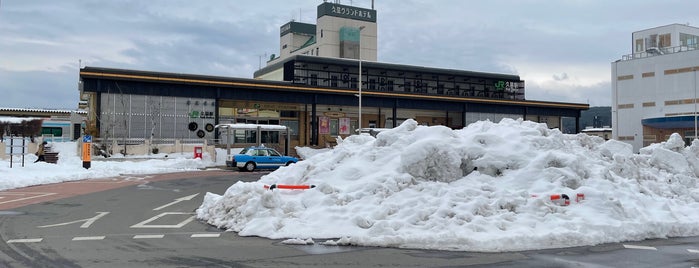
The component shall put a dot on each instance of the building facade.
(654, 89)
(312, 87)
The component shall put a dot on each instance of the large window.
(664, 40)
(688, 40)
(639, 45)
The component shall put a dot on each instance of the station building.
(654, 89)
(313, 87)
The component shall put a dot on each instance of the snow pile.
(486, 187)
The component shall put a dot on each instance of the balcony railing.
(657, 51)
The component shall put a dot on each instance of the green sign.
(348, 12)
(194, 114)
(500, 85)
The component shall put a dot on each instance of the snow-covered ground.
(486, 187)
(70, 167)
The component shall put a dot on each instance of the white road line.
(28, 240)
(205, 235)
(186, 198)
(88, 238)
(148, 236)
(38, 195)
(87, 223)
(639, 247)
(144, 224)
(693, 250)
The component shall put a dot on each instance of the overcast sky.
(561, 49)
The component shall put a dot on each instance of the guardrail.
(651, 52)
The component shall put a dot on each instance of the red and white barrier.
(563, 199)
(289, 187)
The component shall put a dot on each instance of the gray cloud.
(562, 49)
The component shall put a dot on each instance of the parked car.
(253, 158)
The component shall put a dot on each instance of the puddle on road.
(322, 249)
(11, 213)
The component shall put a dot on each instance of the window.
(314, 79)
(334, 126)
(639, 45)
(372, 84)
(293, 126)
(272, 152)
(284, 46)
(664, 40)
(652, 41)
(333, 81)
(688, 40)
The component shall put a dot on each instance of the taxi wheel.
(250, 166)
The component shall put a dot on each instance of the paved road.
(148, 221)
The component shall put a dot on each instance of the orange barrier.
(289, 187)
(561, 199)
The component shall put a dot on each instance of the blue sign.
(87, 138)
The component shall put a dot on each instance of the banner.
(324, 125)
(344, 126)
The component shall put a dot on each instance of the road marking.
(38, 195)
(693, 250)
(186, 198)
(88, 238)
(28, 240)
(639, 247)
(205, 235)
(148, 236)
(88, 221)
(144, 224)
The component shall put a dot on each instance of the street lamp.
(359, 124)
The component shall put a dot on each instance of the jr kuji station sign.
(87, 151)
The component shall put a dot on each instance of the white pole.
(695, 103)
(360, 81)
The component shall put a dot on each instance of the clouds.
(562, 49)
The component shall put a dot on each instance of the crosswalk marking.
(205, 235)
(148, 236)
(88, 238)
(693, 250)
(639, 247)
(28, 240)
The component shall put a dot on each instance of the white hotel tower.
(654, 89)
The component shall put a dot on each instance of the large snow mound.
(486, 187)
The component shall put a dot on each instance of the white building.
(654, 89)
(340, 32)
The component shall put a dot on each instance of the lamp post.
(359, 124)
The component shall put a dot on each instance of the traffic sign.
(87, 138)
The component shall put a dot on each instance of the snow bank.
(70, 167)
(483, 188)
